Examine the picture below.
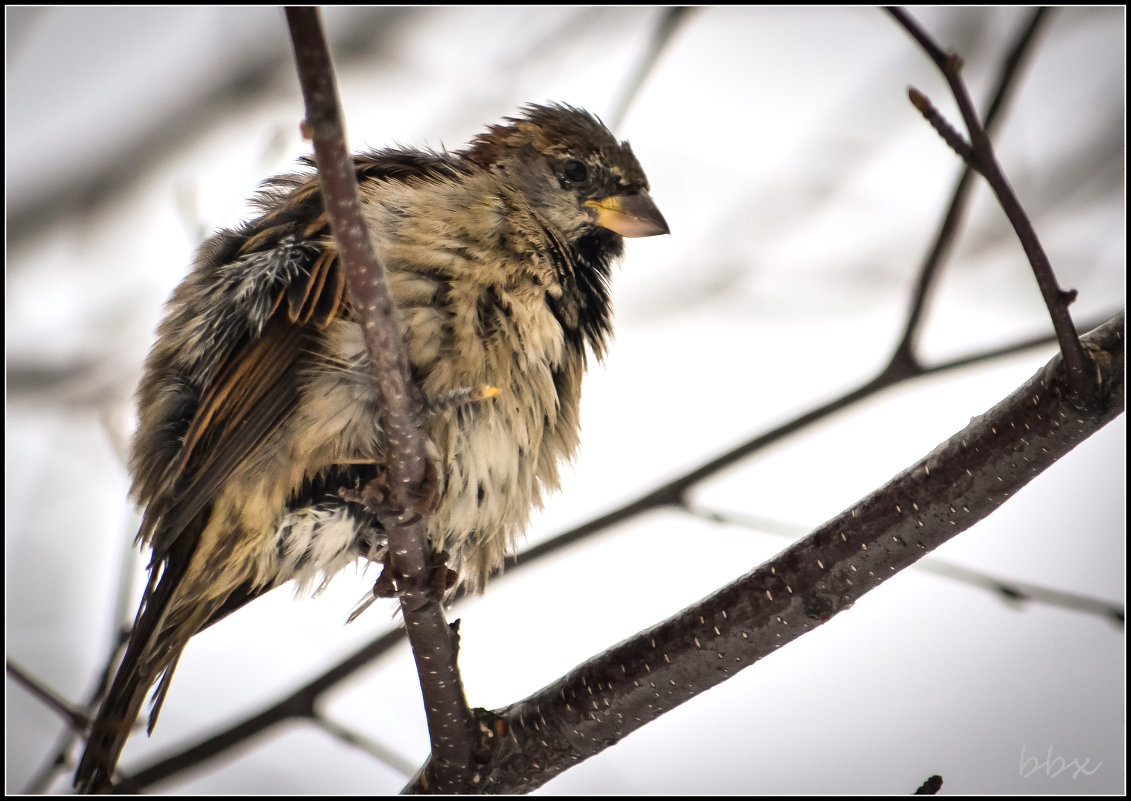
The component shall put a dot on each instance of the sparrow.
(258, 420)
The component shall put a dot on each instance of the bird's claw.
(441, 579)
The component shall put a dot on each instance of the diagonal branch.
(958, 484)
(673, 17)
(301, 702)
(77, 719)
(1010, 591)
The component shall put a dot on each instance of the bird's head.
(571, 170)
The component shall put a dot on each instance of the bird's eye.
(575, 171)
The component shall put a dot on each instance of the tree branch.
(979, 154)
(434, 644)
(300, 702)
(959, 483)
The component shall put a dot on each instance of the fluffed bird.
(258, 416)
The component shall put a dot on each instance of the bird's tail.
(150, 653)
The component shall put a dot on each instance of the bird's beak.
(629, 215)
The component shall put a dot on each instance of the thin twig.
(941, 125)
(61, 754)
(376, 749)
(674, 492)
(1009, 72)
(670, 22)
(52, 700)
(1081, 379)
(1014, 592)
(301, 703)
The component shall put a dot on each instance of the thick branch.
(959, 483)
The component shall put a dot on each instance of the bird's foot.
(376, 496)
(441, 579)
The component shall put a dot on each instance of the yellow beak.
(629, 215)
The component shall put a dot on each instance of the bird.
(258, 420)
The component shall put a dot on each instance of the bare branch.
(301, 700)
(49, 698)
(982, 158)
(956, 485)
(1007, 80)
(670, 22)
(434, 645)
(1008, 590)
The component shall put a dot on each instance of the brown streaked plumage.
(256, 408)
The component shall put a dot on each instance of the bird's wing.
(255, 388)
